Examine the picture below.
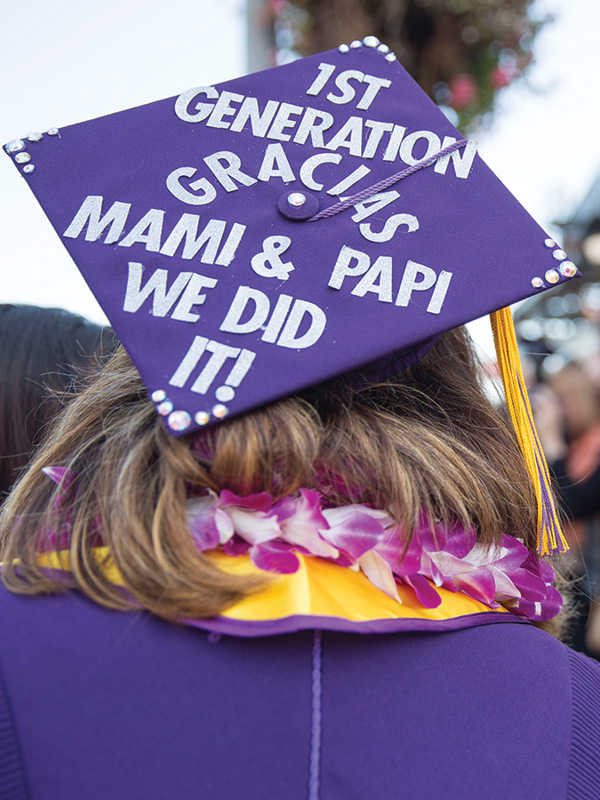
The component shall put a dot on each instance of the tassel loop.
(550, 536)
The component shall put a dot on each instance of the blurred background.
(520, 77)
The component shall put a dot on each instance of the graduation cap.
(253, 238)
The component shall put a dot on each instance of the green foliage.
(462, 52)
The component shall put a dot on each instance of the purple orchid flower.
(439, 555)
(361, 538)
(209, 524)
(353, 530)
(51, 539)
(64, 478)
(301, 520)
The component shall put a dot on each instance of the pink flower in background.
(464, 91)
(499, 78)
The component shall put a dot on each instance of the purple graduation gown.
(104, 705)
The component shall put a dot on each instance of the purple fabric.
(13, 783)
(452, 235)
(110, 705)
(316, 727)
(584, 775)
(385, 368)
(122, 705)
(386, 183)
(299, 622)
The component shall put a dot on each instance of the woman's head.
(578, 399)
(427, 439)
(44, 352)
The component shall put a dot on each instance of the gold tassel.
(550, 536)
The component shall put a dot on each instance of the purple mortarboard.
(251, 239)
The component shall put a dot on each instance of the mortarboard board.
(253, 238)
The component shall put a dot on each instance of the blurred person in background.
(591, 369)
(44, 352)
(567, 415)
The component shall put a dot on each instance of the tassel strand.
(550, 536)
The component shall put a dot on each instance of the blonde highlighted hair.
(427, 439)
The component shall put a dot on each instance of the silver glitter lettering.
(354, 177)
(374, 84)
(325, 72)
(396, 136)
(202, 185)
(377, 131)
(318, 321)
(240, 368)
(243, 296)
(342, 82)
(229, 172)
(90, 214)
(203, 110)
(192, 297)
(377, 280)
(389, 229)
(148, 231)
(220, 354)
(282, 121)
(348, 136)
(275, 164)
(313, 124)
(189, 362)
(280, 312)
(410, 283)
(408, 145)
(462, 159)
(155, 287)
(222, 108)
(307, 169)
(439, 293)
(374, 204)
(342, 268)
(259, 122)
(187, 228)
(228, 251)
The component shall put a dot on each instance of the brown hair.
(427, 439)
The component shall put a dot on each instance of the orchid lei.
(361, 538)
(366, 539)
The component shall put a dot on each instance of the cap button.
(298, 205)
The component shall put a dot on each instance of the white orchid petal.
(450, 565)
(306, 535)
(199, 506)
(379, 573)
(482, 556)
(224, 525)
(505, 588)
(255, 527)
